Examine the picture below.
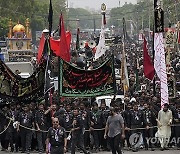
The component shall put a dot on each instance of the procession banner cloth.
(15, 88)
(75, 82)
(160, 66)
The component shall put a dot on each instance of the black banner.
(159, 20)
(75, 82)
(14, 88)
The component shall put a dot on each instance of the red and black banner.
(75, 82)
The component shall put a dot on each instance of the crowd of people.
(83, 123)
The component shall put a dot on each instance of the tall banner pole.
(159, 56)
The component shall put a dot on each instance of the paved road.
(125, 152)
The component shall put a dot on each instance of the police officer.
(26, 119)
(56, 138)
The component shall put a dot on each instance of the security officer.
(41, 125)
(56, 138)
(26, 119)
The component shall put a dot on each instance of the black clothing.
(27, 120)
(56, 136)
(149, 117)
(77, 135)
(137, 119)
(115, 144)
(41, 120)
(56, 139)
(98, 119)
(68, 120)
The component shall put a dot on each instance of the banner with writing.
(14, 88)
(75, 82)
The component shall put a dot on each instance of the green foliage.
(35, 10)
(142, 14)
(81, 17)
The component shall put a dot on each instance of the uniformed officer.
(26, 119)
(56, 138)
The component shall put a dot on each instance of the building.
(19, 51)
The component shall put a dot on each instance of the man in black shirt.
(136, 121)
(97, 122)
(26, 119)
(41, 125)
(77, 131)
(56, 138)
(127, 122)
(149, 116)
(85, 115)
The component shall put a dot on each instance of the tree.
(35, 10)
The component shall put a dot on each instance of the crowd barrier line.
(87, 130)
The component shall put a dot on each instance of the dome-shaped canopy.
(18, 28)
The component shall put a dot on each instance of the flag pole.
(154, 80)
(124, 74)
(59, 60)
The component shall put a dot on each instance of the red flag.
(55, 44)
(148, 66)
(41, 48)
(64, 50)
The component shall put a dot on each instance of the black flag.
(155, 3)
(49, 80)
(50, 17)
(77, 39)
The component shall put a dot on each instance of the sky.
(96, 4)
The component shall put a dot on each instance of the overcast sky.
(96, 4)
